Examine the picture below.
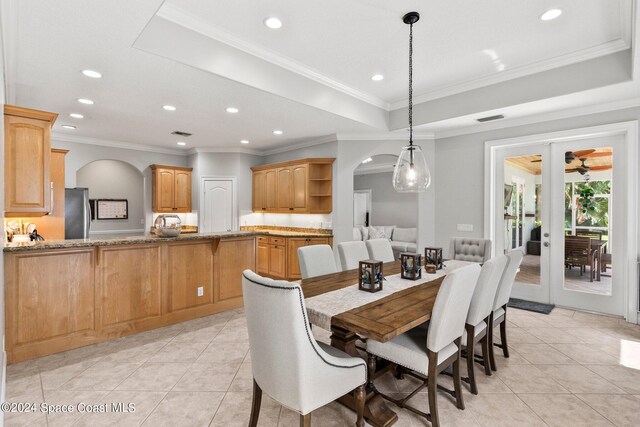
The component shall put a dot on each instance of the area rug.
(531, 306)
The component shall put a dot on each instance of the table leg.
(376, 411)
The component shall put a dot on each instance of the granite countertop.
(282, 233)
(132, 240)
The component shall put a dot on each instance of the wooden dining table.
(381, 319)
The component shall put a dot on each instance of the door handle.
(546, 234)
(228, 229)
(546, 244)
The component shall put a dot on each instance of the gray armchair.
(470, 249)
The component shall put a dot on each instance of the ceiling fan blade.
(600, 168)
(571, 170)
(582, 153)
(536, 161)
(599, 154)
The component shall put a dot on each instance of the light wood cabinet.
(171, 189)
(27, 157)
(59, 299)
(293, 264)
(263, 256)
(278, 256)
(300, 186)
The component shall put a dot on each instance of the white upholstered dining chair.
(499, 315)
(434, 346)
(288, 364)
(479, 316)
(470, 249)
(351, 253)
(380, 250)
(316, 260)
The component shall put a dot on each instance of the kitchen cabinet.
(27, 157)
(300, 186)
(171, 189)
(232, 257)
(278, 256)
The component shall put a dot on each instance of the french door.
(565, 200)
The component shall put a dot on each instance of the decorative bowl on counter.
(167, 226)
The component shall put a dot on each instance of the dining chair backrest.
(380, 250)
(486, 288)
(470, 249)
(286, 360)
(577, 246)
(316, 260)
(508, 277)
(590, 233)
(351, 253)
(451, 307)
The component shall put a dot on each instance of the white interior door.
(602, 226)
(520, 182)
(361, 207)
(218, 210)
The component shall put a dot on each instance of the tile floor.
(566, 368)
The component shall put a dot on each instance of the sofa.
(401, 239)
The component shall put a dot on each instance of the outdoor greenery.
(592, 211)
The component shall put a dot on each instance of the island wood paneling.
(129, 283)
(59, 299)
(190, 266)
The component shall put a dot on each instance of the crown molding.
(185, 19)
(237, 150)
(369, 170)
(543, 117)
(518, 72)
(303, 144)
(55, 136)
(395, 136)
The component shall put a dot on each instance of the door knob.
(546, 234)
(546, 244)
(228, 229)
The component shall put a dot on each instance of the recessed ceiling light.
(76, 115)
(169, 107)
(68, 126)
(551, 14)
(377, 77)
(92, 74)
(85, 101)
(232, 110)
(244, 141)
(277, 132)
(273, 23)
(181, 143)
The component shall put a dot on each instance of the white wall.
(3, 100)
(388, 207)
(114, 179)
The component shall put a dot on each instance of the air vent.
(490, 118)
(180, 133)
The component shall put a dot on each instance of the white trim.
(304, 144)
(239, 150)
(369, 192)
(185, 19)
(234, 196)
(102, 232)
(388, 136)
(368, 170)
(630, 131)
(55, 136)
(542, 117)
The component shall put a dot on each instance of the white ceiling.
(310, 78)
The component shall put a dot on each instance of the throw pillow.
(377, 233)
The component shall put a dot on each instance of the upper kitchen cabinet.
(299, 186)
(27, 156)
(171, 189)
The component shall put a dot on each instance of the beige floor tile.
(20, 385)
(232, 333)
(131, 351)
(73, 398)
(552, 335)
(595, 320)
(448, 412)
(626, 378)
(622, 410)
(55, 377)
(203, 334)
(542, 354)
(144, 401)
(235, 409)
(186, 408)
(586, 354)
(224, 352)
(526, 321)
(528, 379)
(496, 410)
(101, 376)
(592, 335)
(520, 335)
(30, 417)
(578, 379)
(183, 352)
(155, 377)
(208, 377)
(515, 358)
(243, 381)
(560, 410)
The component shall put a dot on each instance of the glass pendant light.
(411, 174)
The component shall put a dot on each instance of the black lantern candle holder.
(433, 256)
(371, 277)
(411, 266)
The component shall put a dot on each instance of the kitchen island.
(66, 294)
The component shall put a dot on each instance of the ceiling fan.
(584, 168)
(570, 156)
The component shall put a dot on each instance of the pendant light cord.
(411, 84)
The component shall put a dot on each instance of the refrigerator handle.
(87, 218)
(52, 201)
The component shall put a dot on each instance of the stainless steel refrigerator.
(77, 213)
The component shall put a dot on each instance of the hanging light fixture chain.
(411, 84)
